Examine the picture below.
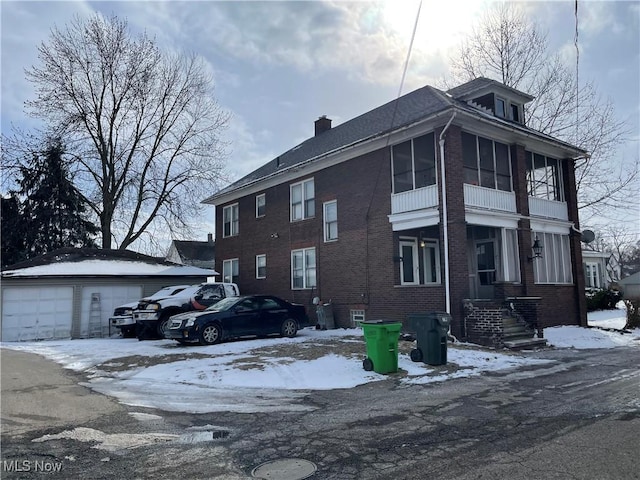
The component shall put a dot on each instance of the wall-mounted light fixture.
(422, 241)
(537, 249)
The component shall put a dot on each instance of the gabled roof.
(195, 253)
(388, 117)
(89, 262)
(408, 109)
(195, 250)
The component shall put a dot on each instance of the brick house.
(357, 215)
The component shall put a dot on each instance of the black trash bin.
(431, 335)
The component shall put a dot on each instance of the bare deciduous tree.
(142, 123)
(510, 48)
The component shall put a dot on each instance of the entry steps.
(517, 335)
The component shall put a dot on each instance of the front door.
(409, 269)
(485, 267)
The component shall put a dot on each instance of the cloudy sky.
(278, 66)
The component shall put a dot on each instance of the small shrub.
(602, 299)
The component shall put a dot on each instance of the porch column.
(458, 266)
(519, 169)
(571, 197)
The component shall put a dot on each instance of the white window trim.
(434, 244)
(560, 255)
(232, 231)
(258, 276)
(413, 163)
(230, 262)
(357, 316)
(495, 170)
(326, 224)
(304, 268)
(303, 199)
(262, 195)
(413, 243)
(507, 260)
(592, 271)
(533, 177)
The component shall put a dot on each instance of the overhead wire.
(575, 42)
(388, 140)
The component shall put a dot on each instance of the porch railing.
(541, 207)
(411, 200)
(489, 198)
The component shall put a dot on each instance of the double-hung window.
(302, 200)
(261, 205)
(486, 163)
(231, 270)
(330, 221)
(261, 266)
(414, 163)
(230, 223)
(303, 268)
(592, 274)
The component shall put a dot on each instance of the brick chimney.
(322, 125)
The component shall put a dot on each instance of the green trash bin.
(431, 337)
(381, 338)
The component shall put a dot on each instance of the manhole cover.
(285, 469)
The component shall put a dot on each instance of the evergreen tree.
(13, 239)
(52, 213)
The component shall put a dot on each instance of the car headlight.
(153, 306)
(128, 312)
(190, 322)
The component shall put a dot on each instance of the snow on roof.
(99, 268)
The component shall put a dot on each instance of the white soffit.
(491, 219)
(415, 219)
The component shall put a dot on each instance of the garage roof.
(86, 262)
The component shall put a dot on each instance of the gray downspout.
(445, 218)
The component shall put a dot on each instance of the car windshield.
(223, 305)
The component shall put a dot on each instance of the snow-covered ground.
(275, 373)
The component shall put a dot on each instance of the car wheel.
(163, 325)
(416, 355)
(210, 334)
(367, 364)
(289, 328)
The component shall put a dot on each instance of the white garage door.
(36, 313)
(98, 303)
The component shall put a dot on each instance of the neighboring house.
(600, 269)
(194, 253)
(357, 215)
(71, 293)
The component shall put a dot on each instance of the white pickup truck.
(123, 315)
(152, 316)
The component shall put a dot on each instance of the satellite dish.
(588, 236)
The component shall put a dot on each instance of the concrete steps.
(516, 335)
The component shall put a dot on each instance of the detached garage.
(71, 293)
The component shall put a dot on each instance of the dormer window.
(500, 107)
(515, 113)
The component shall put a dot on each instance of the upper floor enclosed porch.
(493, 176)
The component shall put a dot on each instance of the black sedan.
(234, 317)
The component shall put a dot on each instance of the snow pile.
(273, 374)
